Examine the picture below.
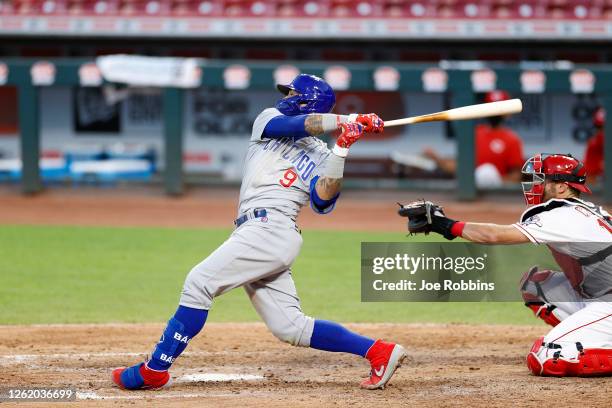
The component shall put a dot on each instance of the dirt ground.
(141, 206)
(449, 365)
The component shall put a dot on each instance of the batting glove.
(350, 132)
(371, 122)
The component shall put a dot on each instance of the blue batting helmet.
(315, 96)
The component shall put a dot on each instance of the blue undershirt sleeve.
(319, 205)
(286, 126)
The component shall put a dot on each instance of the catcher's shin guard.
(534, 298)
(546, 360)
(545, 312)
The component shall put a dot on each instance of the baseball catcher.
(577, 300)
(286, 166)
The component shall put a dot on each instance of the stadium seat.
(101, 7)
(443, 9)
(473, 9)
(52, 7)
(364, 8)
(197, 8)
(75, 8)
(395, 10)
(7, 7)
(248, 8)
(154, 7)
(310, 8)
(286, 8)
(27, 7)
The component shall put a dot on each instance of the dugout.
(450, 83)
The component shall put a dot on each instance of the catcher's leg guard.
(545, 312)
(546, 360)
(534, 298)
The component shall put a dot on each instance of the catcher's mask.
(553, 167)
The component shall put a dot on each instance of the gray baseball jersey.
(259, 253)
(277, 172)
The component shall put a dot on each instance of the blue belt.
(256, 213)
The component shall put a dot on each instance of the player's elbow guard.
(319, 205)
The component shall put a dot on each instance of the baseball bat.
(482, 110)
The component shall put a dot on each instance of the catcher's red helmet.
(599, 117)
(553, 167)
(496, 96)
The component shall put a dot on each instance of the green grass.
(78, 275)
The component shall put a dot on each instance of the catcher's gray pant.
(257, 255)
(588, 321)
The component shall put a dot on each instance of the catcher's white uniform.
(579, 235)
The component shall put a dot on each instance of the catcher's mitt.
(425, 217)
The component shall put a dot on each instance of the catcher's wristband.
(444, 226)
(457, 228)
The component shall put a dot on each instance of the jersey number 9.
(288, 178)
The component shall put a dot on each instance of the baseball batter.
(577, 300)
(286, 166)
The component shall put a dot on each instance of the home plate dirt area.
(241, 364)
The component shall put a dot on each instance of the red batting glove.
(371, 122)
(350, 133)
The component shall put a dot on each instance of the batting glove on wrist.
(350, 132)
(371, 122)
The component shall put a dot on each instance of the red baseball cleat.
(384, 358)
(140, 377)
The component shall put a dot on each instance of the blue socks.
(330, 336)
(186, 323)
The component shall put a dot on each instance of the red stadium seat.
(408, 8)
(128, 8)
(584, 9)
(287, 8)
(473, 9)
(363, 8)
(445, 9)
(197, 8)
(144, 7)
(101, 7)
(393, 9)
(310, 8)
(53, 7)
(75, 8)
(155, 7)
(293, 8)
(27, 7)
(248, 8)
(7, 7)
